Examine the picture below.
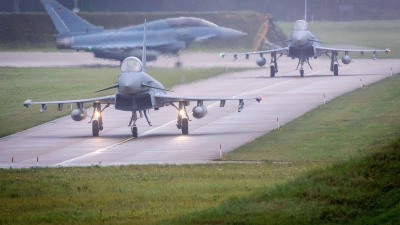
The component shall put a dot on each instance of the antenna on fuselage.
(144, 48)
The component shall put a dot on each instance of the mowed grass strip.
(339, 130)
(51, 84)
(370, 34)
(136, 194)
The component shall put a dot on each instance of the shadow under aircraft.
(137, 92)
(164, 37)
(303, 45)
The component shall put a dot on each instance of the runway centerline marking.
(98, 151)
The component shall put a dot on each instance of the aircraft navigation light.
(90, 48)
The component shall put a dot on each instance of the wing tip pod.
(259, 98)
(222, 54)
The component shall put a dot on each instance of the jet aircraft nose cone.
(299, 39)
(231, 33)
(129, 83)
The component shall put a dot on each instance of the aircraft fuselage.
(302, 44)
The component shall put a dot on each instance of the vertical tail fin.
(65, 20)
(144, 48)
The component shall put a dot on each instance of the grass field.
(331, 132)
(363, 188)
(370, 34)
(130, 194)
(47, 84)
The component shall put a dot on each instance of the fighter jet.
(138, 92)
(165, 37)
(303, 45)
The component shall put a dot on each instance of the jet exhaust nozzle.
(64, 43)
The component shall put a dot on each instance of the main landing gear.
(97, 119)
(273, 68)
(334, 66)
(178, 63)
(182, 123)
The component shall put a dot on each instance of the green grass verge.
(365, 190)
(336, 131)
(130, 194)
(371, 34)
(47, 84)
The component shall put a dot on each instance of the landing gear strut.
(132, 124)
(97, 119)
(178, 63)
(274, 64)
(334, 66)
(182, 123)
(301, 63)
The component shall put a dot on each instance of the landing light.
(182, 112)
(96, 114)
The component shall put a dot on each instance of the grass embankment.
(336, 131)
(360, 191)
(370, 34)
(47, 84)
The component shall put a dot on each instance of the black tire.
(336, 69)
(272, 71)
(178, 64)
(185, 126)
(95, 128)
(302, 73)
(134, 132)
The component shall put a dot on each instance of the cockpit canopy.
(131, 64)
(189, 22)
(300, 25)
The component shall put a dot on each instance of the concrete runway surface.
(64, 142)
(86, 59)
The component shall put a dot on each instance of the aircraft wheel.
(134, 132)
(178, 64)
(336, 69)
(95, 128)
(185, 126)
(302, 73)
(272, 71)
